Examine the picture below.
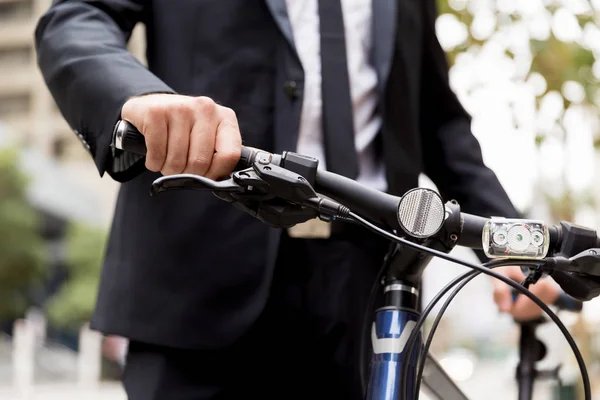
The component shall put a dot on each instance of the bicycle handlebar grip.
(563, 301)
(128, 138)
(566, 302)
(246, 158)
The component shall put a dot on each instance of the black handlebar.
(375, 205)
(128, 138)
(471, 230)
(578, 277)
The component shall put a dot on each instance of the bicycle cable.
(485, 270)
(413, 337)
(461, 281)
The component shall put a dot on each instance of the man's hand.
(114, 348)
(186, 134)
(523, 308)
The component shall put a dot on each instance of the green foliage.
(22, 251)
(558, 62)
(74, 303)
(555, 60)
(23, 255)
(443, 7)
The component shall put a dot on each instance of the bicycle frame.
(395, 320)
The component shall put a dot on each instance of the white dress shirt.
(304, 18)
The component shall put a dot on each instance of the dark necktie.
(338, 123)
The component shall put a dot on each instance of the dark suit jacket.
(185, 269)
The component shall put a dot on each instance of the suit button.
(291, 89)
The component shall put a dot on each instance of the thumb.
(503, 297)
(503, 292)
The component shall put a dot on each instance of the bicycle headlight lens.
(515, 238)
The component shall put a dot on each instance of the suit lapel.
(278, 9)
(384, 38)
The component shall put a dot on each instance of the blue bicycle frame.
(391, 331)
(395, 320)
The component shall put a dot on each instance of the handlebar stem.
(408, 264)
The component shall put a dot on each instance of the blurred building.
(27, 108)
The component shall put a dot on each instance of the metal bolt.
(267, 168)
(454, 237)
(264, 159)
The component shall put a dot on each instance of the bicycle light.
(421, 213)
(515, 238)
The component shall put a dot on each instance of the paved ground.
(489, 382)
(107, 391)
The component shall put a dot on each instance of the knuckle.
(205, 100)
(205, 106)
(155, 110)
(229, 113)
(229, 123)
(132, 104)
(127, 111)
(182, 110)
(152, 128)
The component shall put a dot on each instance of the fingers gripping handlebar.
(128, 138)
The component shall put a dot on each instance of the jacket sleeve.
(452, 155)
(82, 54)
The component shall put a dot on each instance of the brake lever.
(255, 187)
(194, 182)
(586, 262)
(578, 276)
